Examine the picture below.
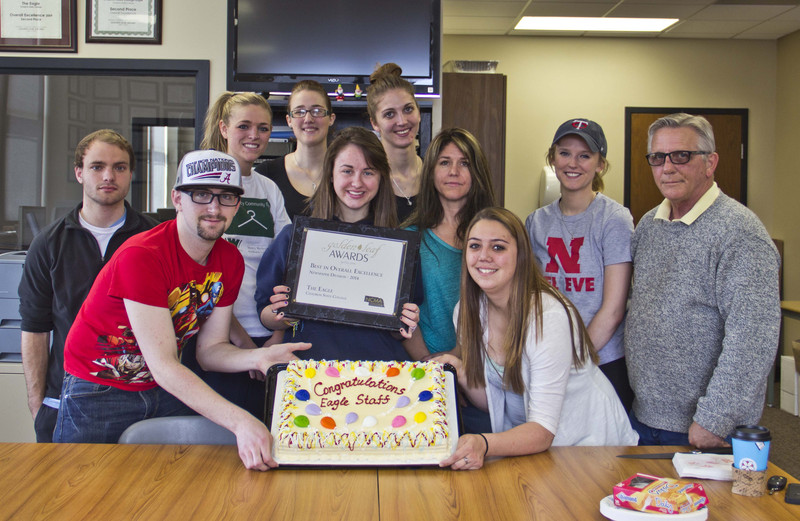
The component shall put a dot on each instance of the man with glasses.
(63, 261)
(704, 315)
(162, 288)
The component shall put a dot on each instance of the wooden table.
(153, 482)
(790, 308)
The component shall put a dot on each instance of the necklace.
(306, 172)
(564, 224)
(566, 227)
(408, 199)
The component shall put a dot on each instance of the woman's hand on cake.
(278, 354)
(410, 317)
(468, 455)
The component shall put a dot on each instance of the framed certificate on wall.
(350, 273)
(123, 21)
(41, 26)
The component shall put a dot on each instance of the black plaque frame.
(405, 283)
(153, 36)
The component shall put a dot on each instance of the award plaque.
(350, 273)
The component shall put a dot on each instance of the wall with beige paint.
(191, 30)
(553, 79)
(786, 191)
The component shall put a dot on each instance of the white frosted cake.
(348, 412)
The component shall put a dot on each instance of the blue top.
(441, 273)
(329, 341)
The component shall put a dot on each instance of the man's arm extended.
(155, 335)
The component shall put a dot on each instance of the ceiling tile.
(469, 8)
(741, 12)
(476, 25)
(568, 8)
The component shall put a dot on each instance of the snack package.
(665, 495)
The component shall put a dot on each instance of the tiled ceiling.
(722, 19)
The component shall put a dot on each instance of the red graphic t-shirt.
(150, 268)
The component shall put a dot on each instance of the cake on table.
(361, 412)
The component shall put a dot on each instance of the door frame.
(631, 111)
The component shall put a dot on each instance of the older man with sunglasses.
(702, 327)
(162, 288)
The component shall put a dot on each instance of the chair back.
(177, 430)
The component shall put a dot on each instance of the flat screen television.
(273, 44)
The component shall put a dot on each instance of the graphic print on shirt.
(253, 218)
(123, 361)
(188, 306)
(570, 261)
(191, 305)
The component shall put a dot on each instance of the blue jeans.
(652, 436)
(96, 413)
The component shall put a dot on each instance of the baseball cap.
(590, 131)
(211, 169)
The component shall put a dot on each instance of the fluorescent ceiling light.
(564, 23)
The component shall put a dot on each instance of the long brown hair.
(221, 111)
(385, 78)
(429, 212)
(525, 298)
(382, 207)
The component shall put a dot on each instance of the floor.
(785, 445)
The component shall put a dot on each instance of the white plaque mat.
(275, 382)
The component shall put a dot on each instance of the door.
(730, 132)
(477, 103)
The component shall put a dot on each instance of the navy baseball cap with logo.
(587, 129)
(209, 169)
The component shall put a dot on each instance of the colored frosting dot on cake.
(424, 396)
(302, 395)
(301, 421)
(420, 417)
(332, 372)
(313, 409)
(350, 418)
(398, 421)
(369, 421)
(310, 372)
(392, 371)
(402, 402)
(328, 422)
(418, 373)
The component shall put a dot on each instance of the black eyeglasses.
(316, 112)
(203, 197)
(677, 157)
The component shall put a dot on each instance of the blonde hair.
(527, 287)
(385, 78)
(324, 202)
(221, 111)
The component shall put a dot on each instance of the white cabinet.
(16, 424)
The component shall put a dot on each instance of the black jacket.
(60, 267)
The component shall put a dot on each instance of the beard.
(211, 234)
